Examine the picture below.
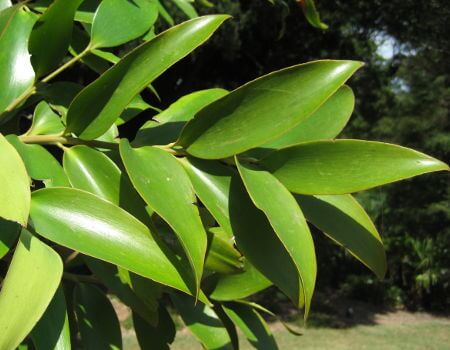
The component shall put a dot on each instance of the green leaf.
(97, 321)
(52, 331)
(57, 23)
(136, 106)
(222, 256)
(45, 121)
(9, 232)
(119, 21)
(344, 220)
(165, 127)
(250, 322)
(326, 123)
(240, 285)
(97, 107)
(166, 188)
(186, 7)
(28, 288)
(16, 72)
(155, 338)
(311, 14)
(59, 95)
(40, 163)
(92, 171)
(95, 227)
(222, 192)
(288, 222)
(244, 118)
(14, 185)
(123, 284)
(345, 166)
(203, 322)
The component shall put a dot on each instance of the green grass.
(395, 333)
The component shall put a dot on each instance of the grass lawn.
(395, 330)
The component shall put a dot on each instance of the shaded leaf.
(311, 13)
(97, 107)
(345, 166)
(16, 74)
(24, 297)
(222, 257)
(14, 190)
(45, 121)
(52, 331)
(186, 7)
(97, 321)
(83, 222)
(59, 95)
(243, 119)
(287, 220)
(9, 232)
(203, 322)
(57, 23)
(344, 220)
(157, 176)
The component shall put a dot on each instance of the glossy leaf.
(57, 23)
(222, 257)
(40, 163)
(239, 285)
(325, 123)
(128, 287)
(97, 321)
(24, 297)
(344, 220)
(16, 72)
(45, 121)
(345, 166)
(9, 232)
(250, 322)
(203, 322)
(287, 220)
(52, 331)
(119, 21)
(158, 176)
(92, 226)
(14, 190)
(91, 170)
(155, 338)
(97, 107)
(165, 127)
(311, 13)
(223, 193)
(244, 118)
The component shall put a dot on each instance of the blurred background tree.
(403, 96)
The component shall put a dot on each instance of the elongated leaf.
(225, 196)
(287, 220)
(24, 297)
(52, 331)
(326, 123)
(126, 286)
(203, 322)
(40, 164)
(97, 321)
(155, 338)
(344, 220)
(165, 127)
(45, 121)
(186, 7)
(57, 23)
(119, 21)
(345, 166)
(96, 108)
(90, 225)
(14, 185)
(239, 285)
(164, 185)
(222, 257)
(91, 170)
(9, 232)
(252, 325)
(311, 13)
(16, 72)
(244, 119)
